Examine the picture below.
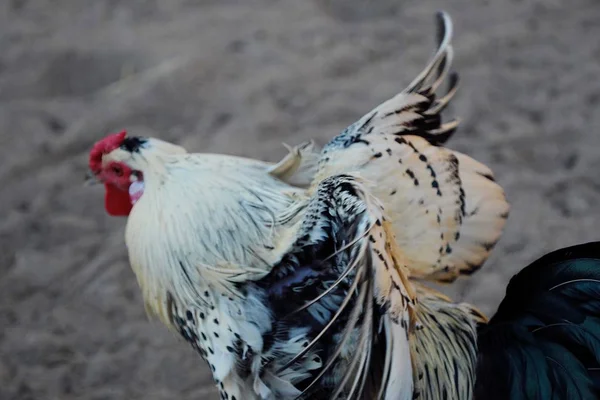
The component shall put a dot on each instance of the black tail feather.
(544, 341)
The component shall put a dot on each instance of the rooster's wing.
(446, 209)
(344, 280)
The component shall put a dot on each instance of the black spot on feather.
(471, 268)
(431, 171)
(488, 176)
(488, 246)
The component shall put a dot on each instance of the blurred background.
(241, 77)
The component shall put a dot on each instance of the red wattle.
(117, 201)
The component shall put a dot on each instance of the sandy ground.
(240, 78)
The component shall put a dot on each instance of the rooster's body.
(297, 279)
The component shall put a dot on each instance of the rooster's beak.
(90, 179)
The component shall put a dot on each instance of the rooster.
(300, 279)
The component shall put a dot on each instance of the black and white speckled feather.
(446, 209)
(338, 295)
(344, 281)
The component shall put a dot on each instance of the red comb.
(102, 147)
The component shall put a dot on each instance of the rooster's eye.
(117, 170)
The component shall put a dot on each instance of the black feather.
(133, 144)
(544, 340)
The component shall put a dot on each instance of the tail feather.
(544, 341)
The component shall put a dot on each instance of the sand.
(241, 78)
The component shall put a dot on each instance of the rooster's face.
(111, 163)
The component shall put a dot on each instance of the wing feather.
(446, 209)
(299, 166)
(345, 266)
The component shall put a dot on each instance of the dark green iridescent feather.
(544, 341)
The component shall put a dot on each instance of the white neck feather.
(205, 220)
